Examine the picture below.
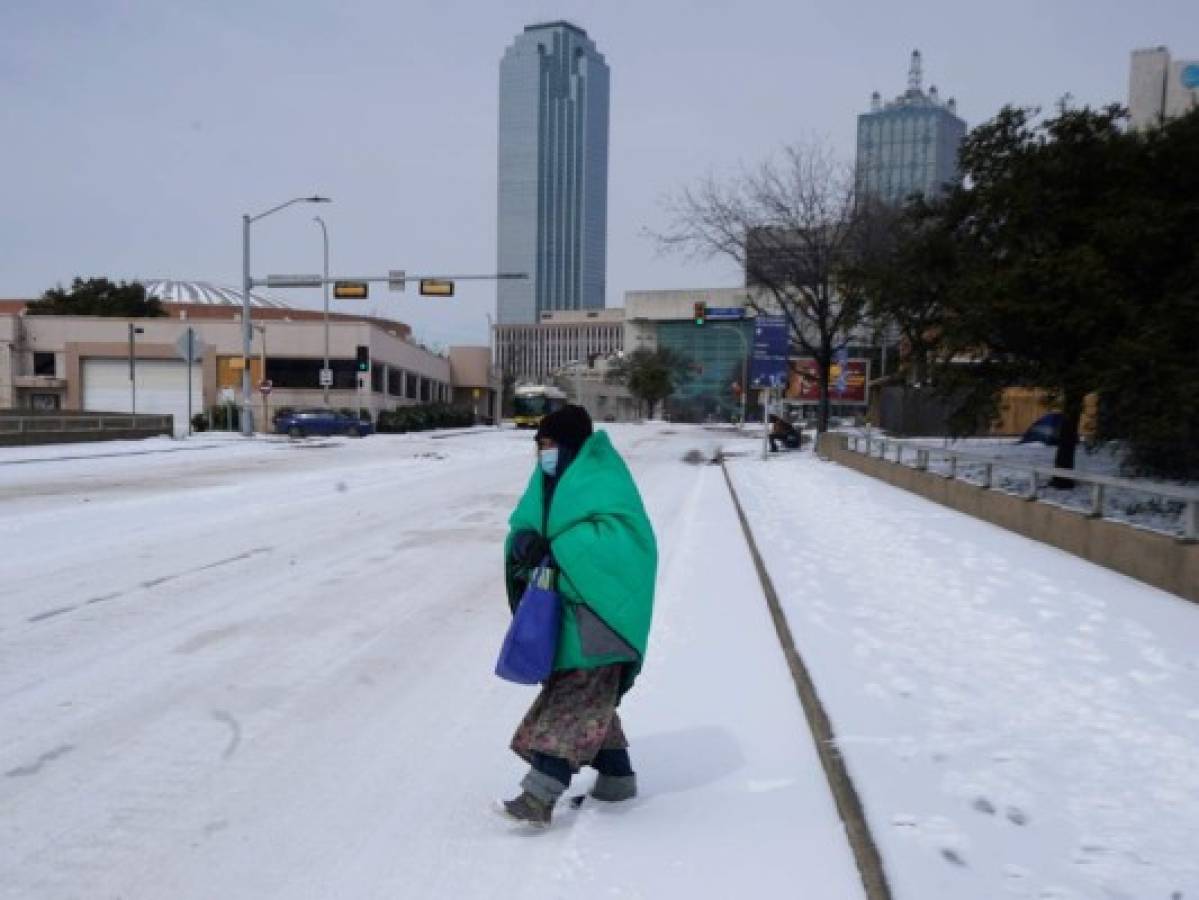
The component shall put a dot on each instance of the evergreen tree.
(97, 297)
(1038, 296)
(651, 375)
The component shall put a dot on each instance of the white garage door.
(161, 388)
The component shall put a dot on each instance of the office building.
(908, 145)
(1160, 88)
(532, 353)
(553, 173)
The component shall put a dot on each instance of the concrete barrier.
(21, 429)
(1156, 559)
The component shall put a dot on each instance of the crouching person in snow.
(582, 510)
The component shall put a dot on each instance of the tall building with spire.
(908, 145)
(553, 173)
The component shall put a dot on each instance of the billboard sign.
(847, 381)
(768, 365)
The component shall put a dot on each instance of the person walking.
(581, 513)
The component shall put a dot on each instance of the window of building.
(377, 378)
(43, 363)
(425, 386)
(395, 382)
(285, 372)
(410, 387)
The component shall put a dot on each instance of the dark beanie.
(570, 427)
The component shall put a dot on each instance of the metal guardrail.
(891, 450)
(42, 424)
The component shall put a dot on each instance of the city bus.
(534, 401)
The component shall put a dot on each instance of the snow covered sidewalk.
(1017, 721)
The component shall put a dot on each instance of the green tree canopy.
(97, 297)
(651, 375)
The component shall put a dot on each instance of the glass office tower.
(553, 173)
(909, 145)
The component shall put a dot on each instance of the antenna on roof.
(915, 73)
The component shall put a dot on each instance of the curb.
(845, 795)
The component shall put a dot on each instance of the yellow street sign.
(436, 287)
(351, 290)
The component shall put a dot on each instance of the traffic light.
(701, 312)
(364, 358)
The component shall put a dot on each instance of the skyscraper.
(909, 145)
(553, 173)
(1160, 88)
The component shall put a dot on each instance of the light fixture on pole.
(247, 326)
(325, 288)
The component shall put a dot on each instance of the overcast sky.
(134, 133)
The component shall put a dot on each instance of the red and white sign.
(264, 387)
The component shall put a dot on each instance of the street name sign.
(294, 281)
(396, 279)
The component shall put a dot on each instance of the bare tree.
(790, 225)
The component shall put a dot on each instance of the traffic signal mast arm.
(306, 281)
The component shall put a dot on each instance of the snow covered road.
(264, 670)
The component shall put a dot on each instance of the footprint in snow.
(983, 805)
(1016, 815)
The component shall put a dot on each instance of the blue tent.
(1045, 430)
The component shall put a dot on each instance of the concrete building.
(83, 362)
(553, 173)
(1160, 88)
(531, 353)
(910, 144)
(718, 349)
(476, 383)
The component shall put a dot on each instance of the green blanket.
(607, 558)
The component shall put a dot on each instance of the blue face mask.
(548, 459)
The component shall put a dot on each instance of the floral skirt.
(574, 717)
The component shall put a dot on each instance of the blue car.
(304, 422)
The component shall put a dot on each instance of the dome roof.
(207, 293)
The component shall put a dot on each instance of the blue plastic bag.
(529, 648)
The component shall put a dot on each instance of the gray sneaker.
(527, 810)
(613, 788)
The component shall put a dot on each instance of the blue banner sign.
(768, 365)
(718, 313)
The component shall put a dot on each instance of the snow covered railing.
(919, 456)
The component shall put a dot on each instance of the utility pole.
(247, 334)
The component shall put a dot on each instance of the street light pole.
(497, 403)
(325, 286)
(133, 329)
(261, 329)
(247, 334)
